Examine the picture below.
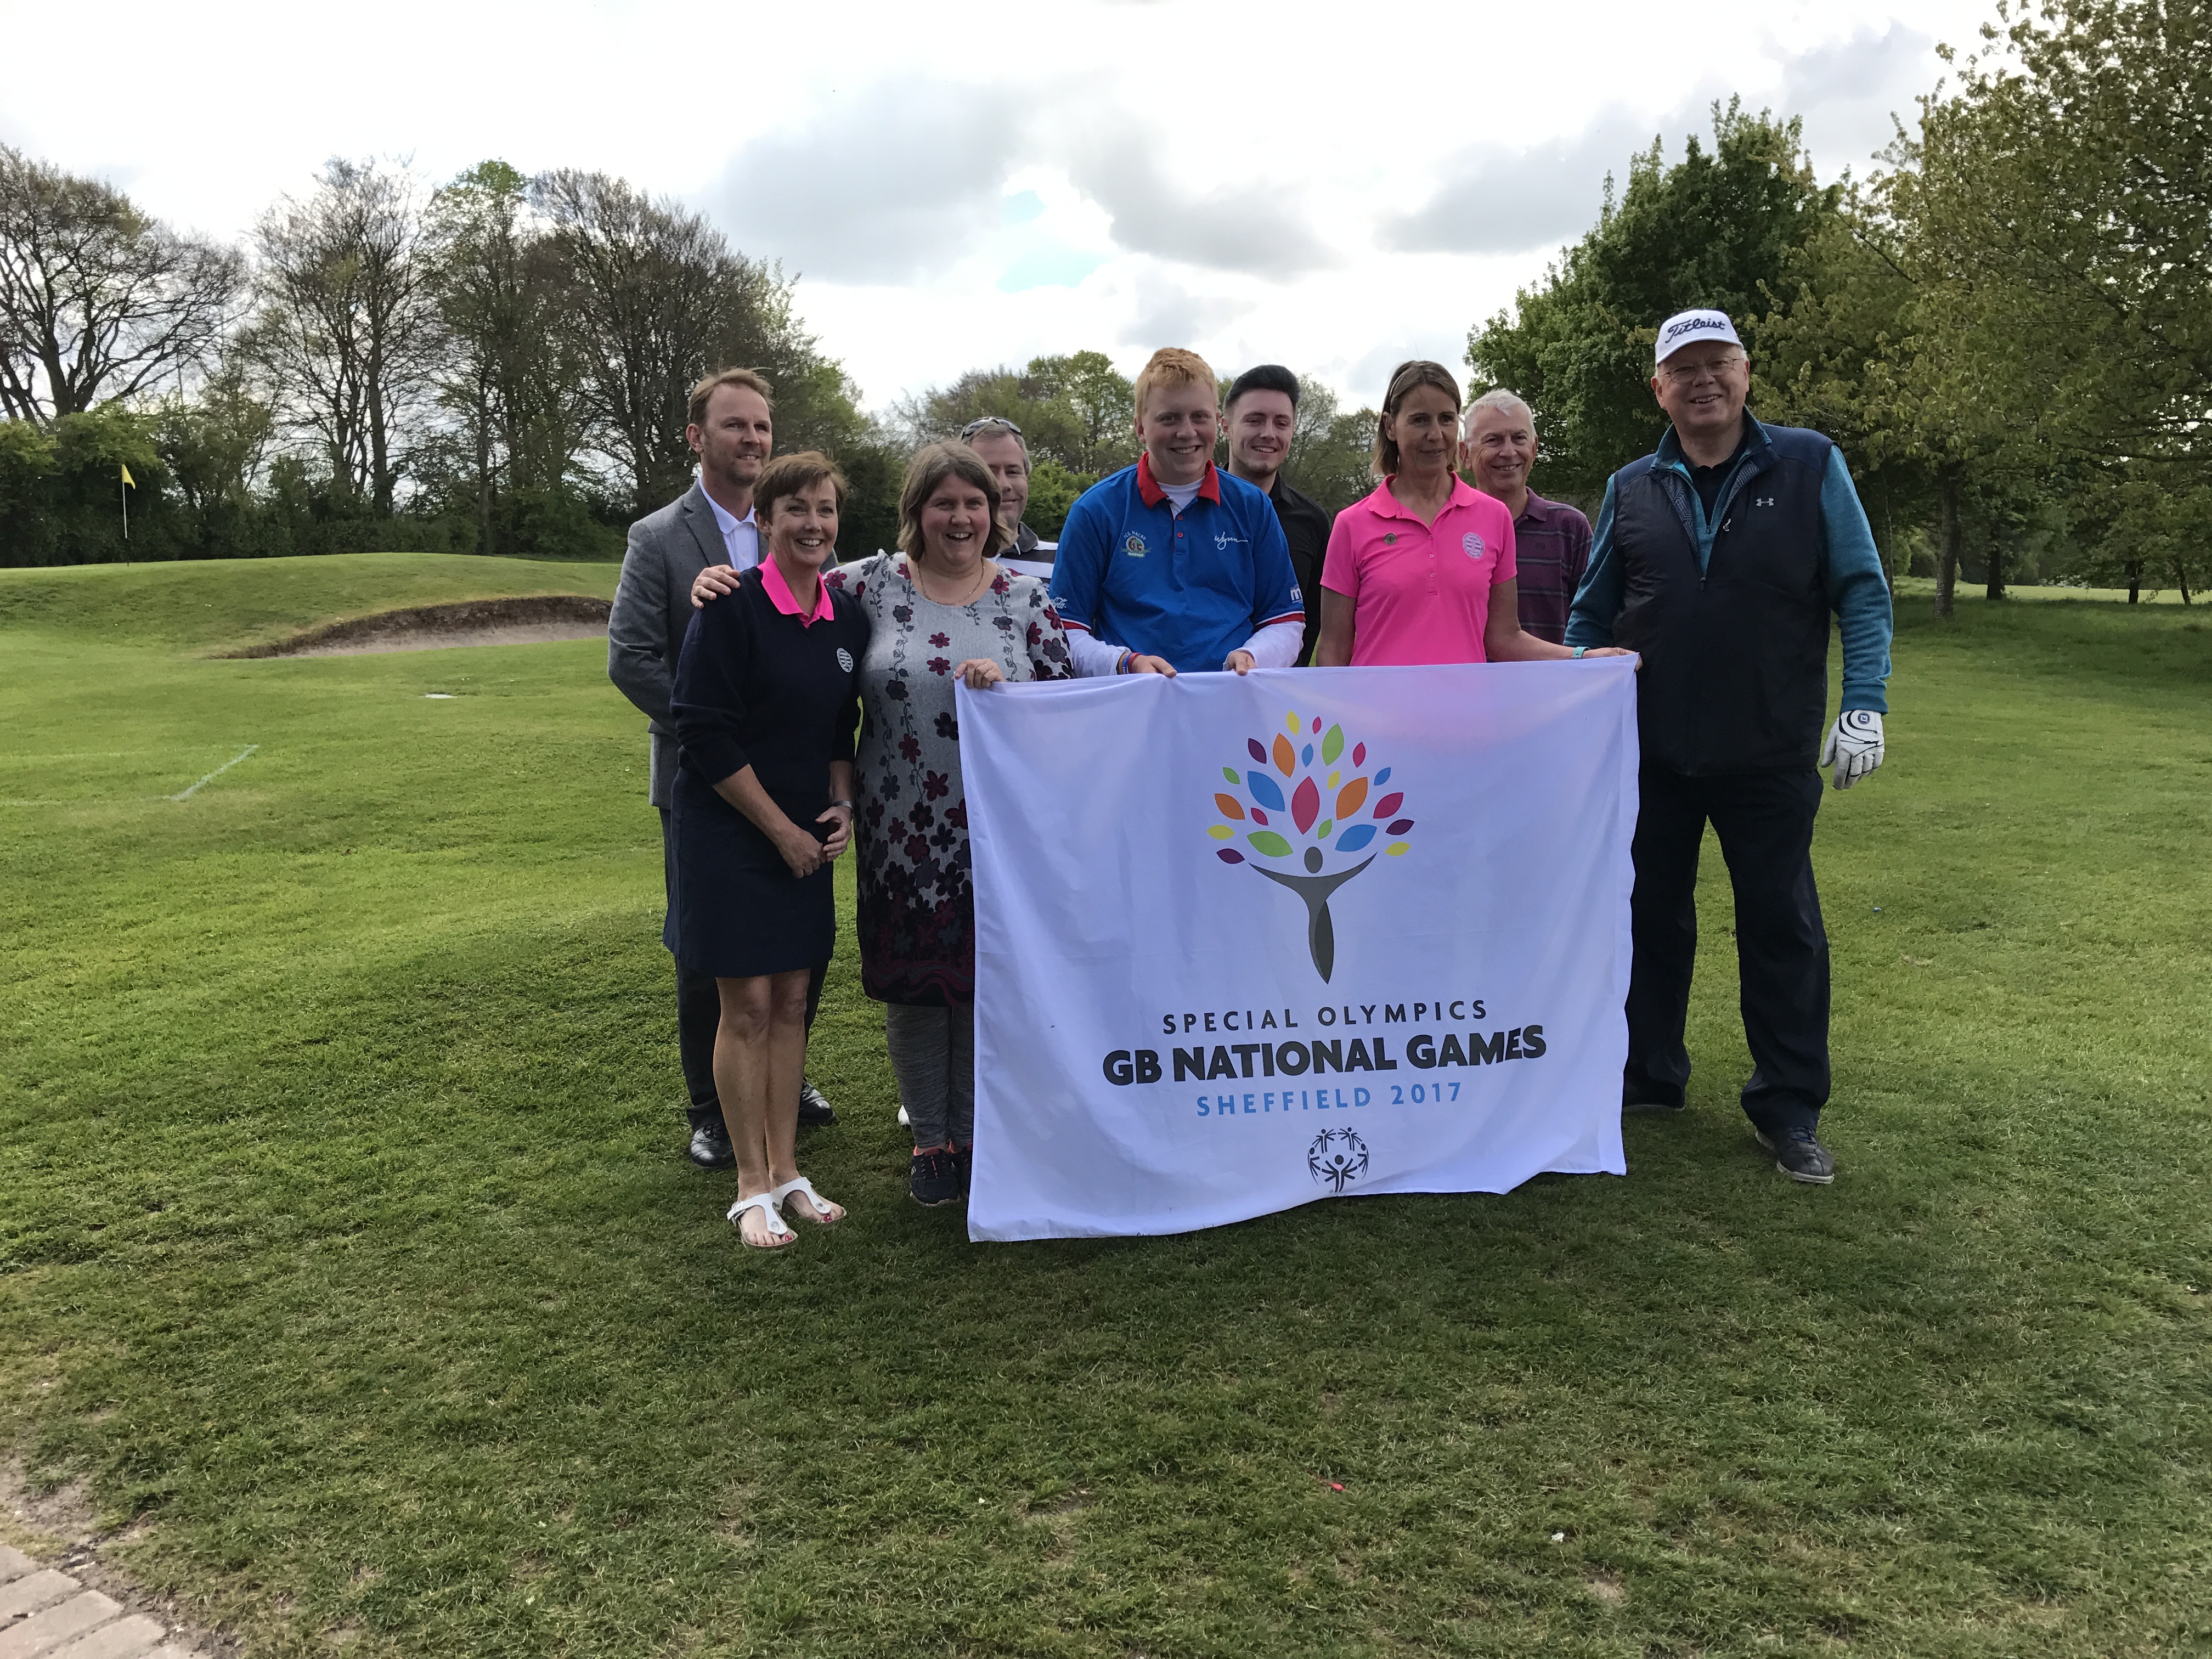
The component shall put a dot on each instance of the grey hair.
(1498, 398)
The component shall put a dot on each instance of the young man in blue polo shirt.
(1172, 565)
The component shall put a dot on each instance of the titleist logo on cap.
(1685, 326)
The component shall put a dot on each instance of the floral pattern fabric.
(917, 908)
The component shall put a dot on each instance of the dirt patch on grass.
(528, 621)
(59, 1527)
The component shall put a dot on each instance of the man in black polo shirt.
(1261, 417)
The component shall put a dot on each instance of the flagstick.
(123, 490)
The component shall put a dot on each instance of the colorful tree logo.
(1295, 787)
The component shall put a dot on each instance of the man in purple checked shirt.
(1550, 540)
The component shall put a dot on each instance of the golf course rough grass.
(348, 1260)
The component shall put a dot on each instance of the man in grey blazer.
(732, 432)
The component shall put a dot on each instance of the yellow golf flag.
(127, 478)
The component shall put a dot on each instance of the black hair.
(1268, 377)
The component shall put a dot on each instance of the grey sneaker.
(933, 1178)
(1799, 1155)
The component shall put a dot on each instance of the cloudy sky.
(1332, 186)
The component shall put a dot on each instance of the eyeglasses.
(977, 425)
(1683, 374)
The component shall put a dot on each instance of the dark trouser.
(1765, 823)
(699, 1009)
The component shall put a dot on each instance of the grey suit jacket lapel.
(700, 515)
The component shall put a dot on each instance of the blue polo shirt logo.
(1133, 546)
(1471, 544)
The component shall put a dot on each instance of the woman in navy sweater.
(765, 709)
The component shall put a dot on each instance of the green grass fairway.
(348, 1257)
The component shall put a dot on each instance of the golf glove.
(1853, 745)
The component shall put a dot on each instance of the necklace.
(968, 595)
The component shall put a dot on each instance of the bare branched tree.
(655, 298)
(97, 301)
(347, 333)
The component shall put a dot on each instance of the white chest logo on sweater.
(1471, 544)
(844, 659)
(1762, 501)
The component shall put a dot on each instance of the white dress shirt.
(741, 536)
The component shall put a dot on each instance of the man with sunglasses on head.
(999, 443)
(1720, 558)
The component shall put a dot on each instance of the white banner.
(1242, 944)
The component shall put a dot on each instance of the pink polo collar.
(1462, 492)
(781, 596)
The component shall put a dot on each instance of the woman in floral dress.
(939, 609)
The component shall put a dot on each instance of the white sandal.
(821, 1218)
(770, 1206)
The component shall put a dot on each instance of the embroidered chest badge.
(1133, 546)
(844, 659)
(1471, 544)
(1389, 537)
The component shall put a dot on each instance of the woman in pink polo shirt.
(1421, 570)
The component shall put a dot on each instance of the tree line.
(498, 364)
(2008, 324)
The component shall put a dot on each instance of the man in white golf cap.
(1720, 557)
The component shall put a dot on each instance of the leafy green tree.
(27, 463)
(212, 448)
(1873, 341)
(1332, 451)
(2064, 190)
(1104, 403)
(1075, 411)
(1715, 229)
(1053, 490)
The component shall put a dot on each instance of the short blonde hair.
(1169, 368)
(932, 466)
(750, 378)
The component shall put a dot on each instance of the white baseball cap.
(1685, 326)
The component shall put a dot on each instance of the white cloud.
(1256, 185)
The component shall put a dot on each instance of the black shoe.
(1633, 1099)
(963, 1166)
(1800, 1157)
(813, 1110)
(710, 1145)
(933, 1178)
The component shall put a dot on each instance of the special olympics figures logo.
(1337, 1159)
(1296, 784)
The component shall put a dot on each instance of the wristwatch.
(847, 805)
(1578, 652)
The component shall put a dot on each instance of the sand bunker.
(437, 627)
